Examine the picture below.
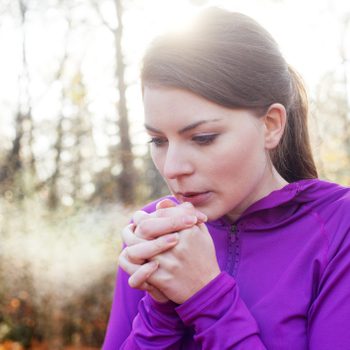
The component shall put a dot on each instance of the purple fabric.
(285, 282)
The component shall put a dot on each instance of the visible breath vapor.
(61, 257)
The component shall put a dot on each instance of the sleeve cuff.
(166, 308)
(160, 315)
(192, 308)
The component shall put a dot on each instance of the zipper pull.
(234, 229)
(233, 233)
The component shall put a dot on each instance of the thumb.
(165, 203)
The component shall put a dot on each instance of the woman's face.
(209, 155)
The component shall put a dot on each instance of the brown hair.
(231, 60)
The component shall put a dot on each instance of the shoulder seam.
(324, 233)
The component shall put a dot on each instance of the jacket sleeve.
(157, 326)
(220, 318)
(329, 315)
(138, 322)
(123, 311)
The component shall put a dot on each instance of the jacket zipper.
(233, 250)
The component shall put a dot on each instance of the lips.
(196, 198)
(192, 194)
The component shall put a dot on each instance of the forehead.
(173, 103)
(170, 108)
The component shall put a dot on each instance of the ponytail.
(293, 158)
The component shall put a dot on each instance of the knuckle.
(128, 231)
(132, 282)
(172, 267)
(124, 264)
(139, 216)
(167, 280)
(173, 223)
(161, 213)
(125, 233)
(143, 229)
(159, 243)
(129, 255)
(123, 255)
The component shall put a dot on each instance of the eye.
(204, 140)
(158, 141)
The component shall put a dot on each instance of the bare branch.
(94, 3)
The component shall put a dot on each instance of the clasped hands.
(169, 253)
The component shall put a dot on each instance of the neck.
(273, 181)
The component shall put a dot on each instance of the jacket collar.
(281, 200)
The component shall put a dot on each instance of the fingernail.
(187, 204)
(172, 237)
(202, 217)
(154, 264)
(190, 220)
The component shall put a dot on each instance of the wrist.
(167, 306)
(157, 295)
(206, 280)
(213, 292)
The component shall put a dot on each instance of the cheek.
(158, 159)
(240, 161)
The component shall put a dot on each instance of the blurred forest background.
(73, 156)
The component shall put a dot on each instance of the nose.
(177, 163)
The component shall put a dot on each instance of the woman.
(251, 251)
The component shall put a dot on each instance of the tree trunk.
(126, 178)
(14, 163)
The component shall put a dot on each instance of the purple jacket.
(285, 282)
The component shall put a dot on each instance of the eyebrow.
(186, 128)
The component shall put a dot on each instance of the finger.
(156, 227)
(131, 268)
(129, 237)
(181, 209)
(140, 276)
(128, 266)
(145, 250)
(138, 216)
(165, 203)
(201, 216)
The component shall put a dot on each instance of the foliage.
(57, 271)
